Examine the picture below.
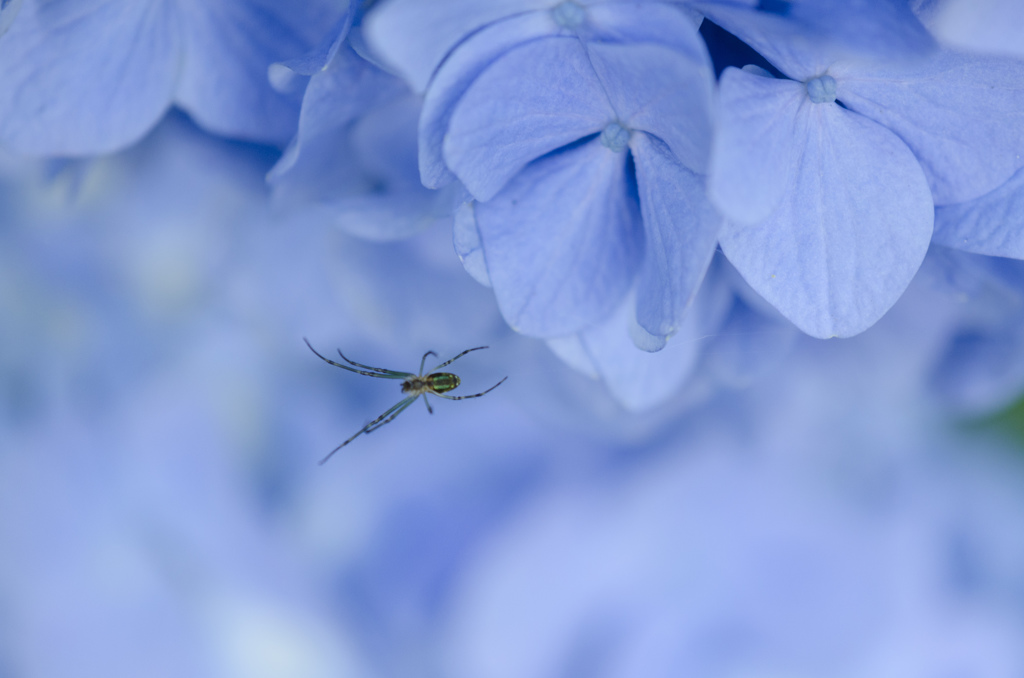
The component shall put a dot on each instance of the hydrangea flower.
(829, 181)
(353, 160)
(82, 77)
(581, 130)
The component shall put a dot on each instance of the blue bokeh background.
(162, 512)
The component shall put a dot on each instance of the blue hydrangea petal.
(571, 350)
(466, 239)
(334, 99)
(563, 240)
(850, 233)
(413, 37)
(658, 23)
(82, 77)
(384, 142)
(794, 57)
(353, 161)
(535, 99)
(789, 34)
(457, 73)
(993, 224)
(320, 57)
(388, 216)
(640, 380)
(992, 26)
(661, 91)
(229, 47)
(753, 156)
(681, 236)
(962, 115)
(8, 10)
(383, 198)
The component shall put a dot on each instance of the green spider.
(416, 385)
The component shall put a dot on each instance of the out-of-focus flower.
(980, 367)
(8, 10)
(992, 26)
(992, 224)
(82, 77)
(353, 160)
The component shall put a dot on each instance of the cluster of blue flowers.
(587, 157)
(786, 236)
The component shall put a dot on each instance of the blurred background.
(162, 512)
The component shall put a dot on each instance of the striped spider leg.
(413, 385)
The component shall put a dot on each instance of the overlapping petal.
(459, 71)
(228, 47)
(466, 239)
(662, 91)
(640, 380)
(388, 202)
(413, 36)
(792, 33)
(753, 156)
(535, 99)
(320, 57)
(962, 115)
(648, 21)
(523, 87)
(334, 99)
(86, 77)
(353, 161)
(850, 233)
(681, 233)
(993, 224)
(563, 240)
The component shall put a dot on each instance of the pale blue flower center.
(822, 90)
(615, 137)
(569, 15)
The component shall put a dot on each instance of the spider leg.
(449, 362)
(400, 408)
(373, 425)
(422, 362)
(375, 369)
(475, 395)
(388, 375)
(429, 408)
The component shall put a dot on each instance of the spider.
(415, 385)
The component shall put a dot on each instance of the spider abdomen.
(439, 382)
